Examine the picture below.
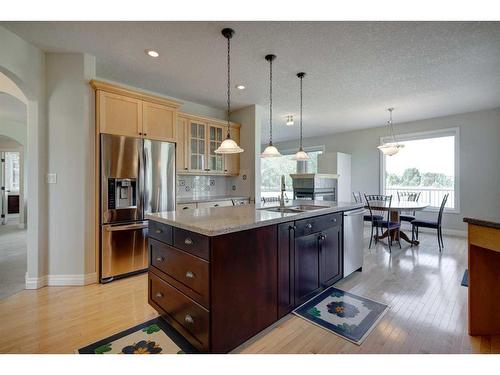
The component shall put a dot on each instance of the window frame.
(455, 131)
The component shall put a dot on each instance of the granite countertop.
(221, 220)
(215, 198)
(492, 222)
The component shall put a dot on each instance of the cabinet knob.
(160, 259)
(159, 295)
(144, 134)
(189, 319)
(140, 133)
(185, 168)
(158, 231)
(188, 241)
(189, 275)
(309, 226)
(185, 208)
(216, 205)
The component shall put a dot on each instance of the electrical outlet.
(51, 178)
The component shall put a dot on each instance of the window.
(12, 171)
(273, 168)
(427, 164)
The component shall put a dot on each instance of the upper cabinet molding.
(208, 119)
(119, 90)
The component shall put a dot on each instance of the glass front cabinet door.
(215, 161)
(197, 139)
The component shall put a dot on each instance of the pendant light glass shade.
(228, 146)
(301, 154)
(270, 151)
(390, 148)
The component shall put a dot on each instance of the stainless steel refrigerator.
(137, 177)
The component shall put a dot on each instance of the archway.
(36, 260)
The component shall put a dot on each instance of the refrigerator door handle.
(117, 228)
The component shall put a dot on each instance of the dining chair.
(371, 201)
(408, 196)
(417, 223)
(359, 199)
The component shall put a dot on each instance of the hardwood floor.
(428, 310)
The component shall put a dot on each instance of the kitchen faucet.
(283, 188)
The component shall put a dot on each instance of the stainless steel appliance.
(353, 241)
(137, 177)
(315, 186)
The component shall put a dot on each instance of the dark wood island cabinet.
(219, 291)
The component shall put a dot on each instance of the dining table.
(395, 209)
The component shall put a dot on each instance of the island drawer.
(191, 242)
(186, 272)
(161, 232)
(181, 310)
(316, 224)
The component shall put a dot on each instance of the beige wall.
(70, 113)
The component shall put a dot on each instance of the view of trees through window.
(418, 168)
(273, 168)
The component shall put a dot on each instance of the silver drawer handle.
(188, 241)
(309, 226)
(159, 295)
(189, 319)
(158, 231)
(189, 275)
(160, 259)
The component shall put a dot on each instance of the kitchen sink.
(285, 210)
(308, 207)
(294, 209)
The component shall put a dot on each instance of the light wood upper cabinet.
(180, 150)
(202, 136)
(197, 146)
(122, 111)
(118, 114)
(215, 138)
(158, 122)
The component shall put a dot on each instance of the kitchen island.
(221, 275)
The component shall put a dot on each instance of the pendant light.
(390, 148)
(301, 154)
(228, 146)
(270, 151)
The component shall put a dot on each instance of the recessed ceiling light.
(240, 87)
(152, 53)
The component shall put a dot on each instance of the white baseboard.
(60, 280)
(36, 282)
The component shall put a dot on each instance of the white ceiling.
(12, 108)
(355, 70)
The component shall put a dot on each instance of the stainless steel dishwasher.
(353, 241)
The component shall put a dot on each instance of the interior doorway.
(13, 238)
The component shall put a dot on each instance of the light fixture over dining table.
(390, 148)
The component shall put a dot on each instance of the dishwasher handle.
(359, 211)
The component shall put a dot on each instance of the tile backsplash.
(203, 186)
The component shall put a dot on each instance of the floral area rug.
(342, 313)
(152, 337)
